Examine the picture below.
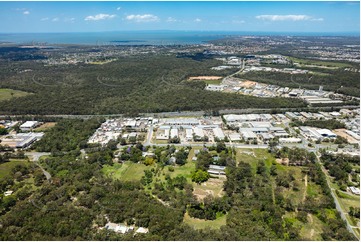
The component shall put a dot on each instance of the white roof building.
(174, 133)
(198, 131)
(218, 133)
(189, 134)
(326, 133)
(28, 125)
(247, 134)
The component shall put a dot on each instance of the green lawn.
(202, 224)
(10, 93)
(5, 168)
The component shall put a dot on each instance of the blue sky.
(19, 17)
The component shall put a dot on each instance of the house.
(216, 170)
(142, 230)
(355, 190)
(8, 193)
(119, 228)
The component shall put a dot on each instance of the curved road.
(35, 158)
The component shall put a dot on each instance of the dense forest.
(144, 83)
(80, 198)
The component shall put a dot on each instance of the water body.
(140, 37)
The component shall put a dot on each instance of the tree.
(181, 157)
(200, 176)
(3, 131)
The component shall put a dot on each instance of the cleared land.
(5, 168)
(319, 63)
(45, 126)
(212, 187)
(203, 224)
(205, 78)
(6, 94)
(342, 133)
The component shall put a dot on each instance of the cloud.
(142, 18)
(44, 19)
(100, 16)
(238, 21)
(55, 19)
(284, 17)
(170, 19)
(69, 20)
(26, 12)
(317, 19)
(198, 20)
(118, 8)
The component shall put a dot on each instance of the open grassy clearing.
(213, 82)
(5, 168)
(45, 126)
(252, 156)
(127, 171)
(319, 62)
(203, 224)
(309, 231)
(10, 93)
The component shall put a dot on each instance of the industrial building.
(21, 140)
(29, 125)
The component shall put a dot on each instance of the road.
(338, 205)
(188, 113)
(35, 156)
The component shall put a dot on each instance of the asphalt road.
(35, 156)
(338, 205)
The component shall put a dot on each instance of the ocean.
(139, 37)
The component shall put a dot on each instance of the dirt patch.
(343, 134)
(283, 161)
(204, 78)
(247, 84)
(213, 187)
(46, 126)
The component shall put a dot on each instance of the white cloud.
(317, 19)
(118, 8)
(238, 21)
(26, 12)
(284, 17)
(170, 19)
(69, 20)
(198, 20)
(55, 19)
(44, 19)
(100, 16)
(142, 18)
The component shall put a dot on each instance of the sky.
(285, 16)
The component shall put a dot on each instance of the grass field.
(5, 168)
(213, 82)
(308, 231)
(10, 93)
(45, 126)
(252, 156)
(202, 224)
(128, 171)
(319, 63)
